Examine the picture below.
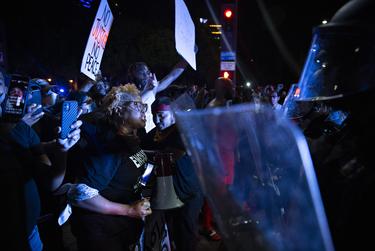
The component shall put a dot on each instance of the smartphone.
(16, 98)
(337, 117)
(34, 96)
(69, 115)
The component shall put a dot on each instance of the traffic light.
(227, 74)
(228, 13)
(228, 19)
(228, 44)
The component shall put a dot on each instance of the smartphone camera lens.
(66, 107)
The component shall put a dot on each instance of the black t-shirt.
(111, 164)
(121, 187)
(106, 161)
(22, 144)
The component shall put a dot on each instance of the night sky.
(48, 37)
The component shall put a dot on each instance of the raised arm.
(86, 87)
(53, 172)
(177, 70)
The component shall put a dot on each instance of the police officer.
(339, 79)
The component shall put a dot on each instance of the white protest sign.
(185, 33)
(97, 40)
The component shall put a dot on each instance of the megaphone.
(164, 195)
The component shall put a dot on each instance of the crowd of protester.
(92, 174)
(97, 179)
(97, 185)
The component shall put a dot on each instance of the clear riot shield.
(255, 168)
(293, 109)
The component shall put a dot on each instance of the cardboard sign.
(185, 33)
(97, 40)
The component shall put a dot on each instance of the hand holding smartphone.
(15, 103)
(68, 117)
(33, 115)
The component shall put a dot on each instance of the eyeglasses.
(139, 106)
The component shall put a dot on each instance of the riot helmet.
(341, 59)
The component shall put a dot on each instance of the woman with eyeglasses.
(108, 162)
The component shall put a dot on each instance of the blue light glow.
(86, 3)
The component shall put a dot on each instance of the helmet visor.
(339, 63)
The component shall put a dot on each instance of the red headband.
(162, 107)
